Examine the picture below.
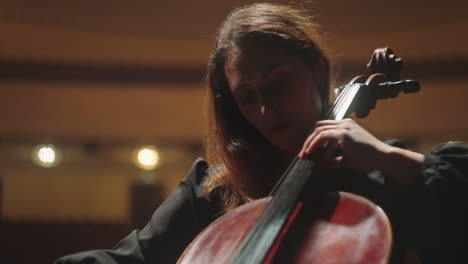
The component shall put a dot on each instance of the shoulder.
(449, 157)
(451, 149)
(194, 186)
(455, 153)
(198, 172)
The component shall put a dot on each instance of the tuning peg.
(393, 88)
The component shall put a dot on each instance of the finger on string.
(319, 130)
(325, 123)
(320, 139)
(330, 121)
(313, 135)
(312, 141)
(344, 123)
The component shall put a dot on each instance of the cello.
(309, 225)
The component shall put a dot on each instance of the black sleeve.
(445, 176)
(172, 227)
(431, 215)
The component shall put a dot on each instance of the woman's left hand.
(359, 150)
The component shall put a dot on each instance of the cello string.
(337, 106)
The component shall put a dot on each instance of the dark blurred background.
(85, 85)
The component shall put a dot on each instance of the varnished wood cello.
(295, 225)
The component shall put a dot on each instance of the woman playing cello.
(268, 88)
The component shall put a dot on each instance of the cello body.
(335, 227)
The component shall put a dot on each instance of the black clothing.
(429, 216)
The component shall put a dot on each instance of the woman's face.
(276, 91)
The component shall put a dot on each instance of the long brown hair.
(237, 152)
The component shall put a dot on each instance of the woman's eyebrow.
(265, 75)
(273, 69)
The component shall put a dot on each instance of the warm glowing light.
(45, 156)
(147, 157)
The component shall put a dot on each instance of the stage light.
(147, 157)
(45, 156)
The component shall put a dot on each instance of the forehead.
(250, 62)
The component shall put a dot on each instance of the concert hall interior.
(87, 84)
